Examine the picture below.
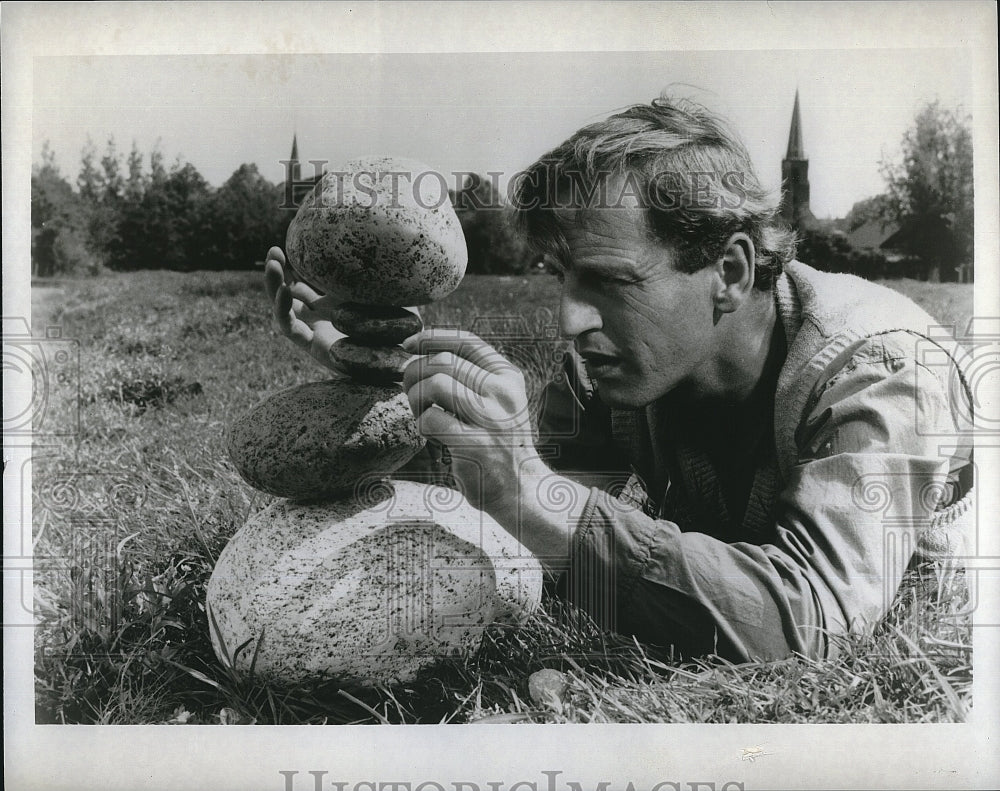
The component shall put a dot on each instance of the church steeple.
(795, 175)
(296, 169)
(295, 187)
(795, 148)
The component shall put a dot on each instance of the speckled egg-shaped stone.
(380, 231)
(547, 687)
(376, 364)
(316, 440)
(375, 324)
(368, 589)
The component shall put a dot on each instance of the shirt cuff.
(609, 550)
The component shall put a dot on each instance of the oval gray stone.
(368, 589)
(374, 364)
(375, 325)
(547, 687)
(380, 232)
(316, 440)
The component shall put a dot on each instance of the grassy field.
(140, 497)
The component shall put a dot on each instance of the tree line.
(136, 213)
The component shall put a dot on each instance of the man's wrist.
(546, 512)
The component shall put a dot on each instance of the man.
(751, 401)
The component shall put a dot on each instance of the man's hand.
(467, 396)
(300, 314)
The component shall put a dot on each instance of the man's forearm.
(543, 513)
(639, 575)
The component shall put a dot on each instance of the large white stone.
(367, 590)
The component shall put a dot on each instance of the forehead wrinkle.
(604, 218)
(570, 216)
(640, 249)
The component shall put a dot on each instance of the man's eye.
(605, 279)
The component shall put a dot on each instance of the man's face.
(642, 327)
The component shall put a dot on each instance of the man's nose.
(576, 316)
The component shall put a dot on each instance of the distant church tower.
(294, 187)
(795, 176)
(296, 168)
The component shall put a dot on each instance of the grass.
(136, 506)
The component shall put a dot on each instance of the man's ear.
(735, 270)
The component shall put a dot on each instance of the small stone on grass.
(547, 687)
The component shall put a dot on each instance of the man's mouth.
(599, 364)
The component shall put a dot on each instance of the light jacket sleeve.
(846, 522)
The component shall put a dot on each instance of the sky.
(486, 111)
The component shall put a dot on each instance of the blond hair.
(690, 171)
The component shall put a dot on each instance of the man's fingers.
(435, 423)
(299, 312)
(273, 276)
(308, 295)
(312, 314)
(324, 335)
(303, 311)
(445, 363)
(276, 254)
(477, 398)
(300, 333)
(282, 307)
(290, 326)
(452, 396)
(462, 344)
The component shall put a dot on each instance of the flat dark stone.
(372, 364)
(375, 325)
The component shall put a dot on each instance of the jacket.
(847, 487)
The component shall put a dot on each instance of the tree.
(135, 184)
(826, 250)
(157, 173)
(89, 180)
(58, 228)
(246, 219)
(132, 224)
(106, 215)
(163, 219)
(494, 247)
(100, 195)
(189, 195)
(114, 184)
(175, 229)
(867, 210)
(930, 191)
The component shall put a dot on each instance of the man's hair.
(680, 163)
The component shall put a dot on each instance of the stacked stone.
(354, 576)
(319, 441)
(371, 351)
